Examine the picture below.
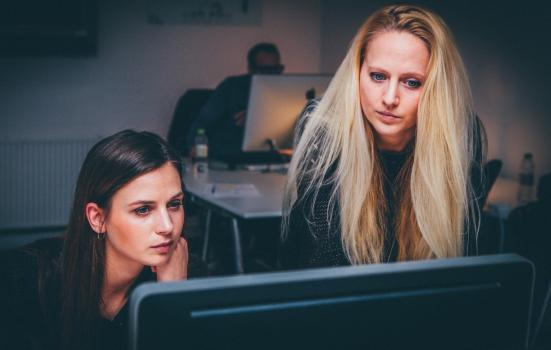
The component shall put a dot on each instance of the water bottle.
(526, 179)
(201, 152)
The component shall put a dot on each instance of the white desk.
(267, 204)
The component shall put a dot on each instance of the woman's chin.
(156, 261)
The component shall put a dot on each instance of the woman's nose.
(390, 98)
(165, 224)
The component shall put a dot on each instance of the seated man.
(223, 115)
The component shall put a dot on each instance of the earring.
(101, 235)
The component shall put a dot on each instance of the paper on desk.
(226, 190)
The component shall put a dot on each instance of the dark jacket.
(315, 241)
(312, 240)
(217, 116)
(30, 299)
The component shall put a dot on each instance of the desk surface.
(267, 204)
(503, 196)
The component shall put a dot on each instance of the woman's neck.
(118, 278)
(393, 144)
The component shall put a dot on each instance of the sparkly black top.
(313, 238)
(315, 241)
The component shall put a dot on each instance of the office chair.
(186, 110)
(529, 234)
(492, 230)
(491, 171)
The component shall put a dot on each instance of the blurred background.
(94, 67)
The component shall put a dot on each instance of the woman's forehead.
(156, 185)
(397, 50)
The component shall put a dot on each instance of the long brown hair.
(109, 165)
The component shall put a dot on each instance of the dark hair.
(260, 47)
(109, 165)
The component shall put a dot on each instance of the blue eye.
(377, 76)
(175, 204)
(413, 83)
(144, 210)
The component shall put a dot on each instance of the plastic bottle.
(526, 179)
(201, 152)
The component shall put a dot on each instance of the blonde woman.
(387, 167)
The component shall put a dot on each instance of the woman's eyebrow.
(145, 201)
(375, 68)
(142, 201)
(414, 74)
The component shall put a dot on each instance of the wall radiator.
(37, 180)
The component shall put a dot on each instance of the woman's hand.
(175, 268)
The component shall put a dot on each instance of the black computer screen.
(463, 303)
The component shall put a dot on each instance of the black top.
(31, 319)
(313, 240)
(217, 116)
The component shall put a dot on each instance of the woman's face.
(145, 219)
(391, 81)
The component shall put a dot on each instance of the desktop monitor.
(275, 103)
(462, 303)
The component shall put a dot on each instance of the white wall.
(141, 70)
(505, 46)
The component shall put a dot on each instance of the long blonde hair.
(337, 146)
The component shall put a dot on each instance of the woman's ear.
(96, 217)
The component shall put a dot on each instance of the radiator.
(37, 180)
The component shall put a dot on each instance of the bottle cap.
(200, 131)
(528, 155)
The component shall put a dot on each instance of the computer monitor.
(275, 102)
(462, 303)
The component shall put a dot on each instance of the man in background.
(223, 115)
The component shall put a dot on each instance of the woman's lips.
(388, 117)
(163, 248)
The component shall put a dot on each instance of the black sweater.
(30, 299)
(315, 241)
(312, 240)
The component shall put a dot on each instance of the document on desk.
(229, 190)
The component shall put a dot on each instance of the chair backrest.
(529, 234)
(491, 171)
(186, 110)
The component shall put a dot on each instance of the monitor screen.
(463, 303)
(275, 103)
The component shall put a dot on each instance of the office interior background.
(141, 68)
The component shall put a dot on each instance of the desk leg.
(205, 252)
(237, 247)
(501, 235)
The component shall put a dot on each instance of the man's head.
(263, 58)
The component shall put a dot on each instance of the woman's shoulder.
(46, 247)
(28, 268)
(34, 255)
(29, 275)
